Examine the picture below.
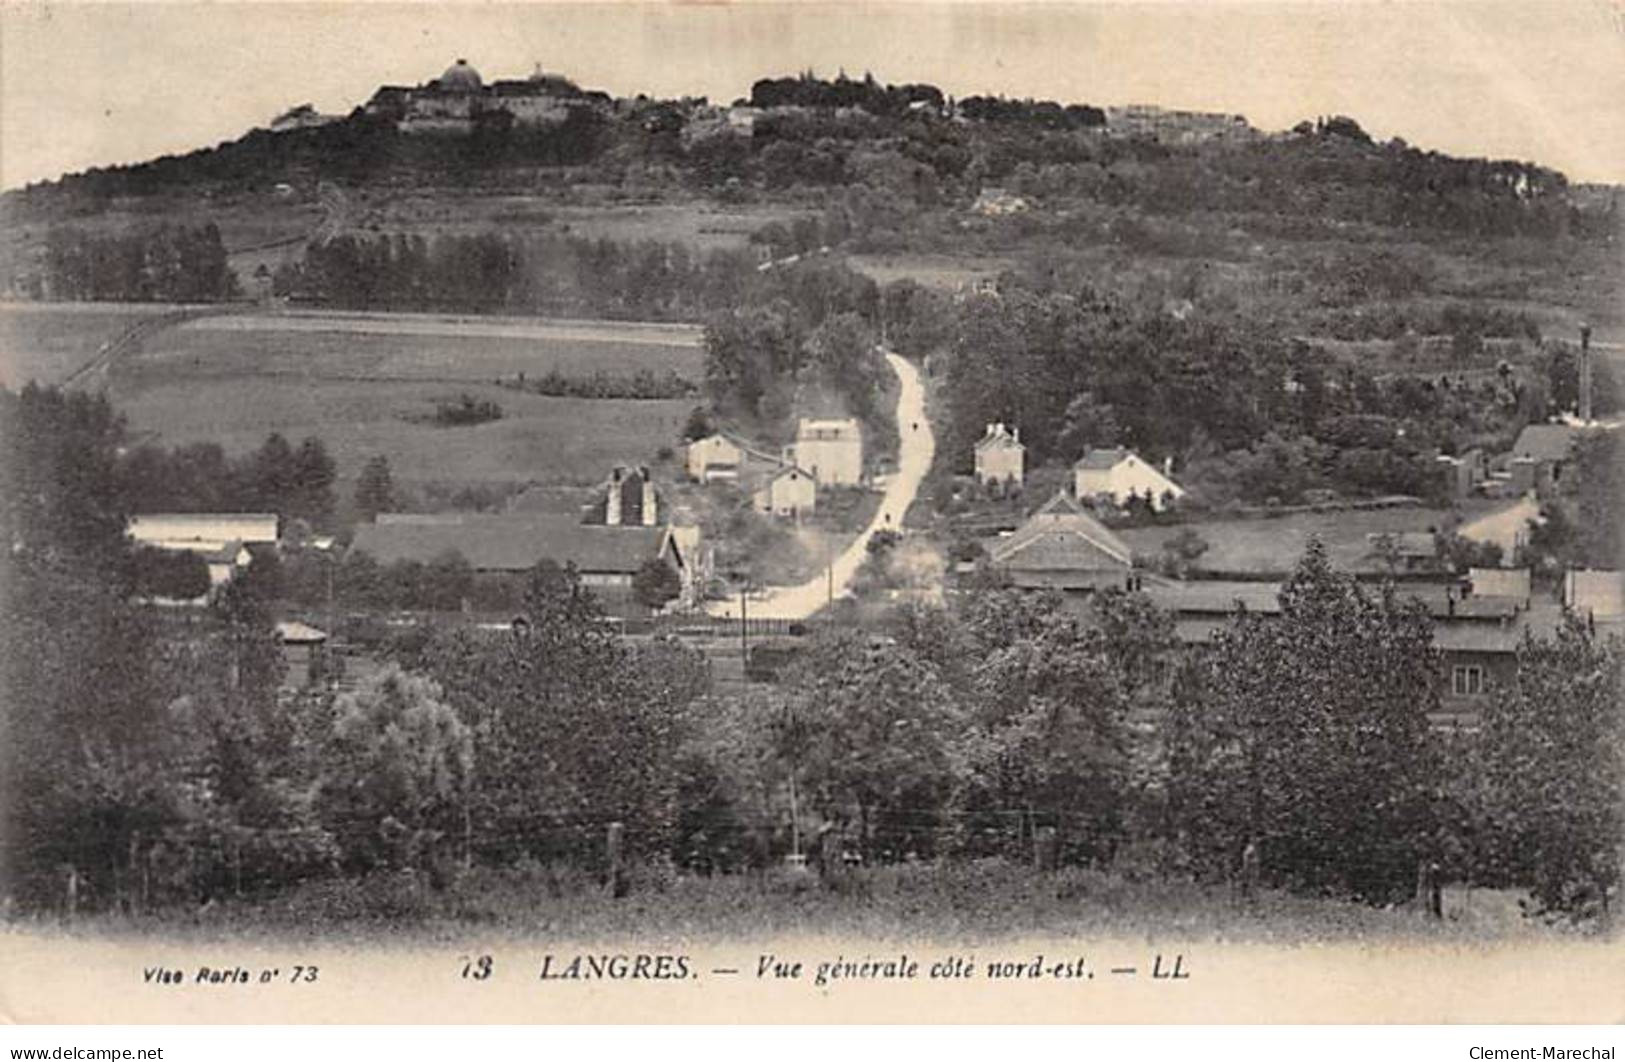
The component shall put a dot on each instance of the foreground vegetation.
(953, 902)
(154, 764)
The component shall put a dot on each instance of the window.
(1467, 680)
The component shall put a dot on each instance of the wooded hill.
(909, 142)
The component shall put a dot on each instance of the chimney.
(1168, 466)
(612, 506)
(649, 519)
(1585, 374)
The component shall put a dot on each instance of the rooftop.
(1545, 442)
(1061, 536)
(1103, 459)
(510, 542)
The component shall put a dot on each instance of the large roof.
(1060, 536)
(203, 527)
(510, 542)
(1100, 460)
(1545, 442)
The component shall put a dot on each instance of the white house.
(788, 492)
(1000, 456)
(714, 457)
(832, 450)
(1119, 473)
(1595, 594)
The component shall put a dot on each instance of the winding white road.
(914, 454)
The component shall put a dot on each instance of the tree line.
(493, 272)
(1246, 412)
(163, 263)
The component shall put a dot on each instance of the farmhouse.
(1119, 474)
(790, 491)
(715, 457)
(1062, 547)
(726, 458)
(1000, 456)
(507, 546)
(832, 450)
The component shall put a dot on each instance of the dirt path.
(914, 455)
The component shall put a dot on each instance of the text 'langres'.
(615, 968)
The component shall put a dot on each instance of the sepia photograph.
(812, 512)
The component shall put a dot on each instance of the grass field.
(367, 384)
(541, 439)
(404, 348)
(1275, 544)
(47, 341)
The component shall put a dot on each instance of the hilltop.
(882, 169)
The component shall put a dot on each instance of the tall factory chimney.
(1585, 374)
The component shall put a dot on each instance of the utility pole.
(1585, 374)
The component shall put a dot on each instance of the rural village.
(505, 489)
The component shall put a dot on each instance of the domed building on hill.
(460, 78)
(458, 98)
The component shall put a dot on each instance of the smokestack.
(1585, 374)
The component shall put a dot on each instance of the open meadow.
(409, 347)
(369, 384)
(541, 439)
(46, 342)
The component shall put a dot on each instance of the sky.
(89, 85)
